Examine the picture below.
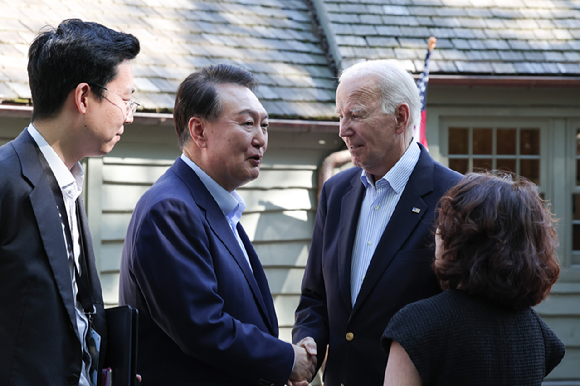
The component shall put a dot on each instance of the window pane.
(479, 164)
(460, 165)
(507, 165)
(530, 168)
(576, 206)
(506, 141)
(530, 142)
(578, 160)
(458, 140)
(576, 241)
(482, 141)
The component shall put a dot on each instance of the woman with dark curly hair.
(495, 259)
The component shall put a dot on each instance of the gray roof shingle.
(272, 38)
(275, 40)
(512, 37)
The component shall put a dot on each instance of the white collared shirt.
(376, 210)
(70, 183)
(231, 204)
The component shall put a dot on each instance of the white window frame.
(508, 123)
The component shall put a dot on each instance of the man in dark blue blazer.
(206, 312)
(46, 321)
(372, 245)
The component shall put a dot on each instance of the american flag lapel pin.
(416, 210)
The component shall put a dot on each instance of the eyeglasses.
(131, 105)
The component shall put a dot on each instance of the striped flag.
(419, 132)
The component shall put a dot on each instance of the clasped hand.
(304, 363)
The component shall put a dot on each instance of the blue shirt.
(376, 210)
(231, 204)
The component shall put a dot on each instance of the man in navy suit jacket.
(206, 312)
(81, 83)
(372, 245)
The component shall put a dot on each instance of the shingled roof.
(483, 37)
(272, 38)
(277, 40)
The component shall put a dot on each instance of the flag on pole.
(419, 132)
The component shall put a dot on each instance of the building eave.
(165, 119)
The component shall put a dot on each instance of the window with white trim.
(514, 149)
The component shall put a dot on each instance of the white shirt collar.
(64, 177)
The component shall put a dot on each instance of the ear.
(402, 114)
(81, 97)
(196, 127)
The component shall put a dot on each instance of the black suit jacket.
(399, 272)
(39, 345)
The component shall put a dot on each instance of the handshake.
(304, 363)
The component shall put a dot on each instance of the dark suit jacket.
(205, 318)
(399, 272)
(39, 345)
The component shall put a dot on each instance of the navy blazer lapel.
(47, 218)
(402, 223)
(349, 215)
(264, 298)
(217, 221)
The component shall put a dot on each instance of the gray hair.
(396, 86)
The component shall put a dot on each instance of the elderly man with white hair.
(372, 245)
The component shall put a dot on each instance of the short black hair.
(197, 95)
(75, 52)
(498, 240)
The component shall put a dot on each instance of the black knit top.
(454, 339)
